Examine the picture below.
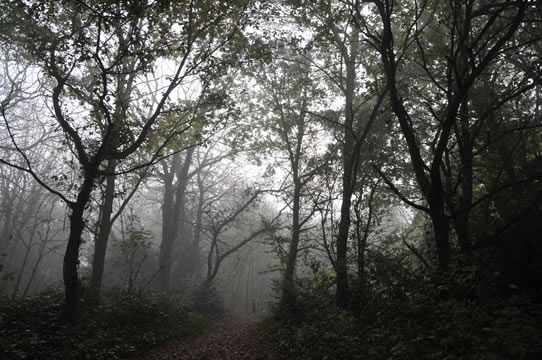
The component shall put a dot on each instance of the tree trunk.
(430, 187)
(6, 234)
(288, 293)
(247, 287)
(164, 259)
(173, 210)
(22, 269)
(194, 272)
(464, 141)
(41, 251)
(461, 222)
(343, 293)
(363, 235)
(100, 246)
(441, 228)
(34, 269)
(71, 257)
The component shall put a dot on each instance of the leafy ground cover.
(122, 324)
(390, 323)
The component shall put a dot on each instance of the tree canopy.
(368, 154)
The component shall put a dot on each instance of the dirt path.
(238, 337)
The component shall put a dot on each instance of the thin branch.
(28, 169)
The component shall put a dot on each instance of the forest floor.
(238, 336)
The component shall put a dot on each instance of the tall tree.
(175, 179)
(287, 96)
(95, 54)
(450, 58)
(336, 36)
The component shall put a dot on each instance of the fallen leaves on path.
(237, 338)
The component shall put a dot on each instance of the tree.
(287, 96)
(173, 211)
(210, 171)
(27, 211)
(97, 57)
(449, 60)
(221, 227)
(335, 34)
(134, 244)
(106, 218)
(224, 216)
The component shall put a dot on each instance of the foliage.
(122, 324)
(435, 103)
(319, 330)
(405, 319)
(134, 246)
(208, 300)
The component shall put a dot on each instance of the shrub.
(420, 325)
(319, 329)
(207, 299)
(123, 323)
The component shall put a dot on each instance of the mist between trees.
(183, 146)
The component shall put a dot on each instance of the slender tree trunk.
(461, 222)
(166, 245)
(172, 211)
(194, 272)
(34, 270)
(236, 292)
(6, 234)
(288, 292)
(440, 223)
(71, 257)
(33, 210)
(465, 202)
(363, 235)
(41, 250)
(247, 288)
(343, 292)
(22, 269)
(100, 246)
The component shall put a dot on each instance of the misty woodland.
(271, 179)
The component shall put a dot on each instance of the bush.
(319, 329)
(122, 324)
(331, 335)
(395, 324)
(207, 299)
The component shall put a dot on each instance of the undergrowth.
(391, 323)
(123, 323)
